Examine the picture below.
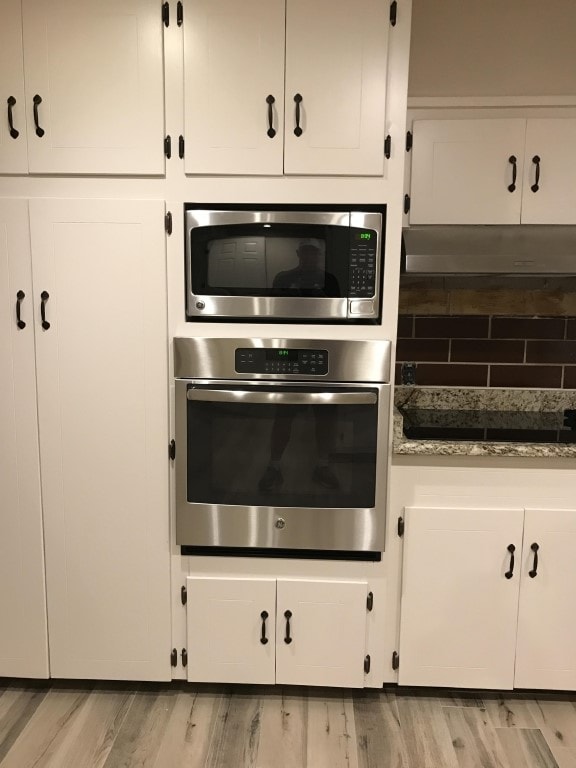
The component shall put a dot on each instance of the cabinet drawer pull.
(44, 296)
(20, 296)
(270, 101)
(263, 638)
(534, 571)
(287, 616)
(511, 548)
(298, 101)
(513, 161)
(535, 187)
(36, 101)
(12, 103)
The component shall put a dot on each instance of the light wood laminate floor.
(86, 725)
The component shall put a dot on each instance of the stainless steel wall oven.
(281, 446)
(295, 264)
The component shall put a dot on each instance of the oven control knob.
(200, 305)
(280, 523)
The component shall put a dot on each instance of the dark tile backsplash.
(488, 350)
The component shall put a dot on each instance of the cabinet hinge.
(172, 445)
(409, 140)
(406, 203)
(166, 14)
(179, 14)
(183, 595)
(168, 146)
(181, 147)
(387, 147)
(173, 657)
(400, 526)
(395, 660)
(168, 228)
(366, 664)
(184, 656)
(370, 601)
(393, 13)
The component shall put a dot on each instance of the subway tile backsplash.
(488, 350)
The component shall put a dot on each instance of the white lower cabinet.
(93, 356)
(286, 631)
(477, 614)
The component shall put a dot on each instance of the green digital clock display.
(281, 354)
(364, 236)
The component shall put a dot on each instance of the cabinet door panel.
(554, 142)
(327, 631)
(225, 630)
(23, 638)
(102, 402)
(13, 152)
(461, 171)
(546, 651)
(98, 69)
(233, 60)
(336, 60)
(458, 611)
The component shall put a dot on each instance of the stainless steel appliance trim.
(349, 529)
(348, 360)
(211, 218)
(306, 308)
(282, 398)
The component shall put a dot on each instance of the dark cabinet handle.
(263, 638)
(511, 548)
(534, 571)
(36, 101)
(20, 296)
(12, 103)
(44, 296)
(298, 101)
(536, 160)
(287, 616)
(512, 160)
(270, 101)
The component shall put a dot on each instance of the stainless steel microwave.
(290, 265)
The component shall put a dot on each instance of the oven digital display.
(281, 354)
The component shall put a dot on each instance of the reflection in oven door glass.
(282, 455)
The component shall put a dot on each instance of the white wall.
(493, 48)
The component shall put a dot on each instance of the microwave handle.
(282, 398)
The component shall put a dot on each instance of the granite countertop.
(446, 399)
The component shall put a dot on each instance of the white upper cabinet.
(483, 171)
(23, 632)
(550, 155)
(462, 171)
(243, 69)
(13, 154)
(94, 90)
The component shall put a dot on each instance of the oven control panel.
(312, 362)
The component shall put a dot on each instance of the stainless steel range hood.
(523, 249)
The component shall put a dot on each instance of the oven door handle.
(282, 398)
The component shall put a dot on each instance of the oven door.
(281, 466)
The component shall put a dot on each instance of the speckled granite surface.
(470, 399)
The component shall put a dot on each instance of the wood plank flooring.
(117, 725)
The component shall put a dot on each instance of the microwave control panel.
(362, 274)
(281, 361)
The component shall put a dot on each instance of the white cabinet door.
(551, 144)
(23, 637)
(226, 627)
(336, 57)
(458, 609)
(13, 151)
(546, 651)
(97, 67)
(233, 62)
(102, 406)
(461, 171)
(321, 632)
